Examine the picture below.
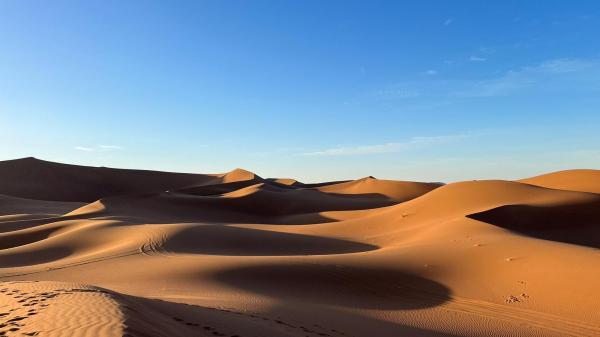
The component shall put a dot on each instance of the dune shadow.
(38, 256)
(235, 241)
(269, 202)
(181, 319)
(217, 189)
(21, 238)
(271, 199)
(175, 207)
(344, 286)
(354, 324)
(570, 223)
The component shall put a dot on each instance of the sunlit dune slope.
(574, 180)
(397, 191)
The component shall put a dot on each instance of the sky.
(315, 90)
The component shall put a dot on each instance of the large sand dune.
(88, 251)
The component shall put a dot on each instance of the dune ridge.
(573, 180)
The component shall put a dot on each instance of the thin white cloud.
(110, 147)
(448, 22)
(503, 86)
(394, 93)
(431, 72)
(98, 148)
(545, 75)
(84, 148)
(564, 76)
(414, 142)
(477, 59)
(563, 66)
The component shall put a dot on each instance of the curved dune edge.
(573, 180)
(398, 191)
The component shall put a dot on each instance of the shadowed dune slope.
(260, 203)
(38, 179)
(568, 220)
(227, 240)
(20, 206)
(339, 285)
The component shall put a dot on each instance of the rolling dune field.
(94, 251)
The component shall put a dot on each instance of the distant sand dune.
(574, 180)
(37, 179)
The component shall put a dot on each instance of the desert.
(285, 168)
(235, 254)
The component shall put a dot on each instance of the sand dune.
(397, 191)
(106, 252)
(20, 208)
(574, 180)
(38, 179)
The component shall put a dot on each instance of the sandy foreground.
(93, 251)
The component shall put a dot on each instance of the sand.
(87, 251)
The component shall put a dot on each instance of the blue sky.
(316, 90)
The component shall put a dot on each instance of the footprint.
(16, 319)
(512, 299)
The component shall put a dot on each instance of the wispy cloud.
(477, 59)
(415, 142)
(394, 93)
(574, 76)
(502, 86)
(563, 66)
(84, 148)
(431, 72)
(448, 22)
(548, 74)
(110, 147)
(98, 148)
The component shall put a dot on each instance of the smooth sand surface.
(88, 251)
